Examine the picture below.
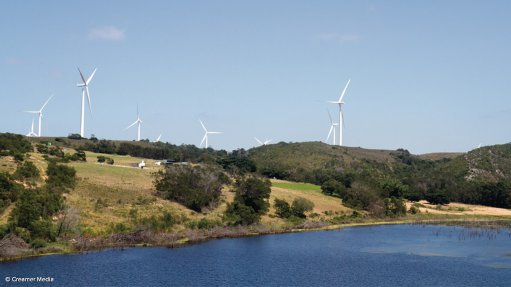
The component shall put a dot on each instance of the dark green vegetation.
(196, 187)
(296, 209)
(250, 202)
(207, 190)
(365, 178)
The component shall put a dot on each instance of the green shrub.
(300, 206)
(282, 208)
(61, 176)
(42, 229)
(196, 187)
(238, 213)
(13, 144)
(395, 206)
(27, 170)
(38, 243)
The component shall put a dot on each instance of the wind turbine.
(263, 143)
(138, 121)
(206, 133)
(332, 129)
(85, 91)
(40, 113)
(31, 133)
(341, 116)
(158, 139)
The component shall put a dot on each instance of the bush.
(282, 208)
(238, 213)
(101, 158)
(395, 206)
(61, 176)
(11, 144)
(74, 137)
(42, 229)
(300, 206)
(27, 170)
(333, 187)
(9, 190)
(196, 187)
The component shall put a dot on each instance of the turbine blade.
(329, 133)
(91, 76)
(267, 142)
(334, 102)
(45, 103)
(203, 127)
(203, 139)
(32, 112)
(88, 98)
(260, 142)
(131, 125)
(330, 116)
(81, 76)
(344, 91)
(215, 132)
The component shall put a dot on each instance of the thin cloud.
(340, 38)
(109, 33)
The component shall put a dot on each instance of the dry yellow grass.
(461, 209)
(105, 194)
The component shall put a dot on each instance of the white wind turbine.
(206, 133)
(85, 91)
(263, 143)
(138, 121)
(40, 113)
(341, 117)
(32, 133)
(332, 129)
(158, 139)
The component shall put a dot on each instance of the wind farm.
(211, 124)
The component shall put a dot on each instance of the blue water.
(398, 255)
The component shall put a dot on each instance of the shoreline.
(191, 237)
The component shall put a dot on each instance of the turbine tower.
(32, 133)
(85, 91)
(206, 133)
(263, 143)
(341, 117)
(40, 113)
(332, 129)
(137, 122)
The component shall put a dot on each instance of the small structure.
(141, 164)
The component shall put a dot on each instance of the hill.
(481, 176)
(81, 203)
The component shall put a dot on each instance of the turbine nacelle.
(206, 133)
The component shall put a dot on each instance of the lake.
(388, 255)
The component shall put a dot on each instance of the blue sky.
(428, 76)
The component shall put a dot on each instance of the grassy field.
(299, 186)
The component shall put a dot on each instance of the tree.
(250, 201)
(254, 192)
(196, 187)
(333, 187)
